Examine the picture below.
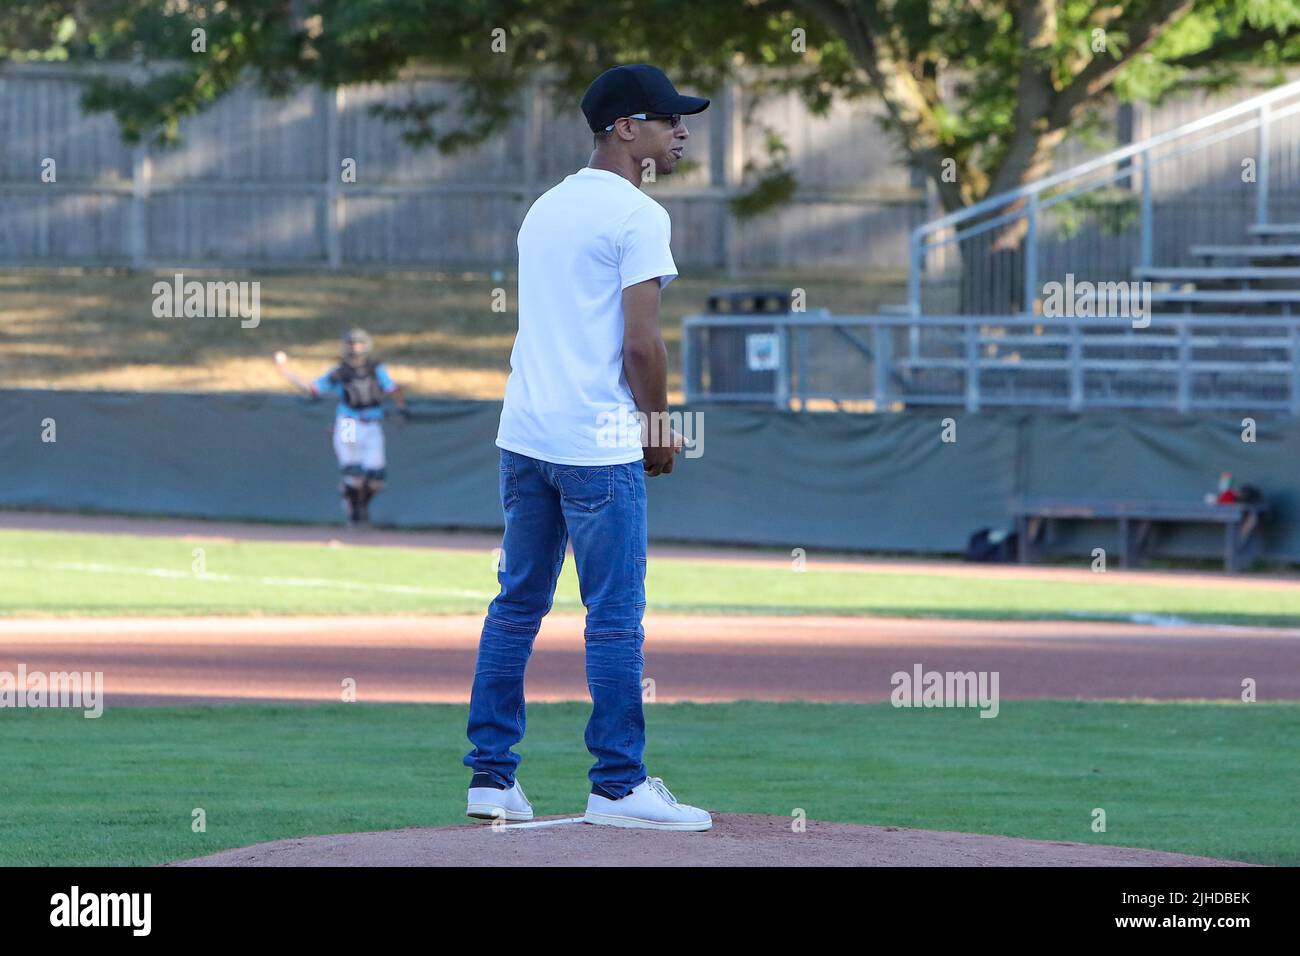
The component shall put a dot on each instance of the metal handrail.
(1260, 104)
(824, 318)
(1181, 332)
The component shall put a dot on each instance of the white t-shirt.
(582, 243)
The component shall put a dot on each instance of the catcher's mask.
(350, 338)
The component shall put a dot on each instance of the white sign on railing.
(763, 351)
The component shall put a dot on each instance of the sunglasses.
(675, 119)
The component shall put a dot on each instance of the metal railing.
(1180, 362)
(1009, 244)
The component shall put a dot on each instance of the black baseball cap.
(634, 88)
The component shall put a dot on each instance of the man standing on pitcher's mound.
(589, 357)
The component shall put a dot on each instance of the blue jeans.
(602, 510)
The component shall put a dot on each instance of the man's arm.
(645, 363)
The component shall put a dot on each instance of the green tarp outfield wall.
(817, 480)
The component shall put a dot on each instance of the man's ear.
(624, 130)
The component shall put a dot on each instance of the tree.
(978, 93)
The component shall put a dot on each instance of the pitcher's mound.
(737, 839)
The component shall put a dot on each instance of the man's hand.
(659, 454)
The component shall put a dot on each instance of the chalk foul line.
(332, 584)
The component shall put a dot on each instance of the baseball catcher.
(360, 382)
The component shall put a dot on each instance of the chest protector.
(361, 388)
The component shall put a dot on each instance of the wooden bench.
(1036, 518)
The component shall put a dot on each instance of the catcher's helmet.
(356, 335)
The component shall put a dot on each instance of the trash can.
(744, 360)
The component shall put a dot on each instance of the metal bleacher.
(1186, 245)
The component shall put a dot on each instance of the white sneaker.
(489, 803)
(648, 807)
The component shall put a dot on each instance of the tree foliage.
(992, 85)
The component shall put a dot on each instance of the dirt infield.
(737, 839)
(700, 658)
(706, 659)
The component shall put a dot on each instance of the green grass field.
(94, 574)
(1216, 779)
(1205, 779)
